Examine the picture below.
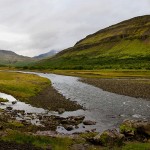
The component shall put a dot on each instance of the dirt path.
(129, 87)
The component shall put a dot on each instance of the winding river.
(107, 109)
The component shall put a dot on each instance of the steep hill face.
(11, 58)
(125, 45)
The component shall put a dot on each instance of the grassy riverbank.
(22, 86)
(104, 73)
(132, 83)
(34, 90)
(15, 139)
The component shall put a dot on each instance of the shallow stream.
(107, 109)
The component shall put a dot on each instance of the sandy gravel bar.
(50, 99)
(139, 88)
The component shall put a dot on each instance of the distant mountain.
(125, 45)
(48, 54)
(11, 58)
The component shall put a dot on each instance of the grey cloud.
(57, 24)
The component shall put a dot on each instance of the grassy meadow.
(104, 73)
(22, 86)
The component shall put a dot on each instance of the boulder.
(14, 102)
(22, 112)
(75, 119)
(40, 117)
(109, 138)
(88, 122)
(2, 103)
(61, 110)
(78, 118)
(135, 128)
(9, 108)
(1, 127)
(68, 127)
(24, 122)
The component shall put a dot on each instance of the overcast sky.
(32, 27)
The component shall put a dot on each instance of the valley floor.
(20, 136)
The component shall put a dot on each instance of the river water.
(107, 109)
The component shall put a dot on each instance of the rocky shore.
(43, 122)
(45, 126)
(139, 88)
(129, 130)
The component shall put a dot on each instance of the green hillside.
(125, 45)
(9, 58)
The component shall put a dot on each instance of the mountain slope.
(124, 45)
(11, 58)
(48, 54)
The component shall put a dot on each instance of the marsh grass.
(22, 86)
(105, 73)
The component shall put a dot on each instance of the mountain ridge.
(108, 38)
(124, 45)
(8, 57)
(48, 54)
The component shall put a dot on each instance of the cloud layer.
(37, 26)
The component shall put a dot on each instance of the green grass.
(121, 48)
(105, 73)
(136, 146)
(22, 86)
(38, 141)
(64, 143)
(132, 28)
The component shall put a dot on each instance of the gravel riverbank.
(50, 99)
(138, 88)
